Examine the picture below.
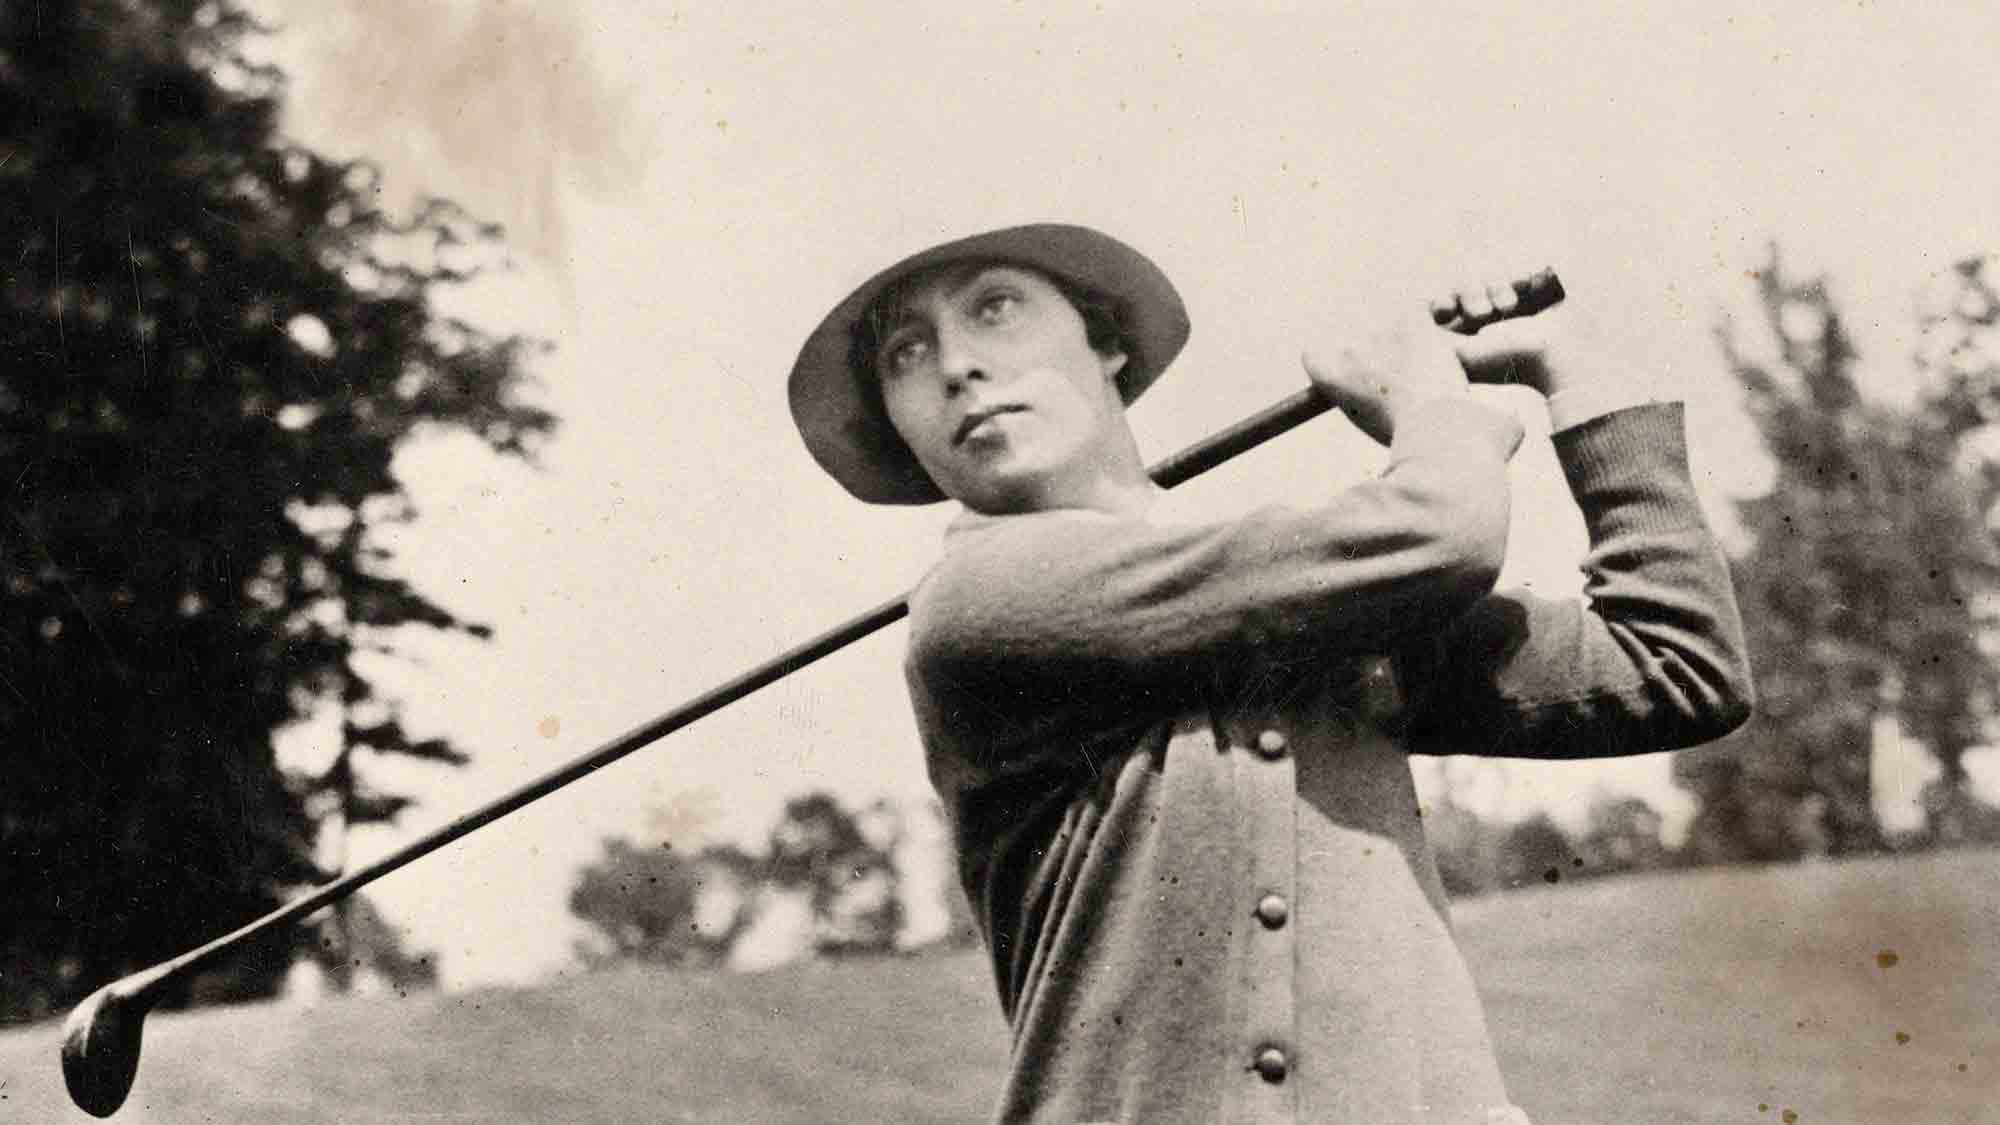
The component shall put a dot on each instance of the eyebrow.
(951, 279)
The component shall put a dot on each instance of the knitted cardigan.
(1175, 762)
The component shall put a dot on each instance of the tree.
(647, 903)
(212, 342)
(849, 872)
(1533, 852)
(650, 904)
(1865, 559)
(1623, 835)
(360, 939)
(1947, 696)
(1466, 845)
(962, 925)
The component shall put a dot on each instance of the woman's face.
(987, 373)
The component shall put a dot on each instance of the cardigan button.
(1273, 910)
(1272, 1065)
(1271, 744)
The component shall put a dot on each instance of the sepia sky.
(688, 188)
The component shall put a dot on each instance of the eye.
(997, 306)
(903, 354)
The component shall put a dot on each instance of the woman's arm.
(1026, 610)
(1652, 658)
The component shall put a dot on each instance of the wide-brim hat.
(839, 412)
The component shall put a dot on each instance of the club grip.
(1538, 291)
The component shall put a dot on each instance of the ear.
(1112, 363)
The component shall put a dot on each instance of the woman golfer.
(1175, 754)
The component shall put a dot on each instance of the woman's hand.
(1552, 350)
(1377, 380)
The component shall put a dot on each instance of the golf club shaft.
(1536, 293)
(1174, 470)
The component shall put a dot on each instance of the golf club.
(101, 1036)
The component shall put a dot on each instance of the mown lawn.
(1858, 992)
(1865, 992)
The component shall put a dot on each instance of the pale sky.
(690, 188)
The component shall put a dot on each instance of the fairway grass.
(1857, 992)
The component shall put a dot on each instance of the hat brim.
(842, 422)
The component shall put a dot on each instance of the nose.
(957, 361)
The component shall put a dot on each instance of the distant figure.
(1174, 754)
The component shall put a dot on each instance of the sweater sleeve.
(1651, 658)
(1029, 618)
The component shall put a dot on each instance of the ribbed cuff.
(1629, 470)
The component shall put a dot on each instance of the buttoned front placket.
(1264, 773)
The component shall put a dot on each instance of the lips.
(974, 419)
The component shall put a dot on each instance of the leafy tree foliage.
(1623, 835)
(848, 870)
(354, 938)
(646, 903)
(961, 924)
(1947, 696)
(1867, 558)
(652, 904)
(212, 342)
(1466, 846)
(1534, 852)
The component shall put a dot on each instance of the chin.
(1002, 500)
(1021, 479)
(1004, 493)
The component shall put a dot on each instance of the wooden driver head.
(100, 1048)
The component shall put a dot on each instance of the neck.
(1120, 496)
(1112, 479)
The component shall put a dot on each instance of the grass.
(1859, 992)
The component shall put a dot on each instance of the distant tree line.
(837, 867)
(1869, 580)
(1476, 855)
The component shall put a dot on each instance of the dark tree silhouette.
(642, 901)
(212, 342)
(855, 887)
(652, 904)
(1623, 835)
(1535, 851)
(1466, 847)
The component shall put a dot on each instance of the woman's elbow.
(1470, 539)
(1712, 703)
(1736, 699)
(1735, 695)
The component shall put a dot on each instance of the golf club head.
(100, 1049)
